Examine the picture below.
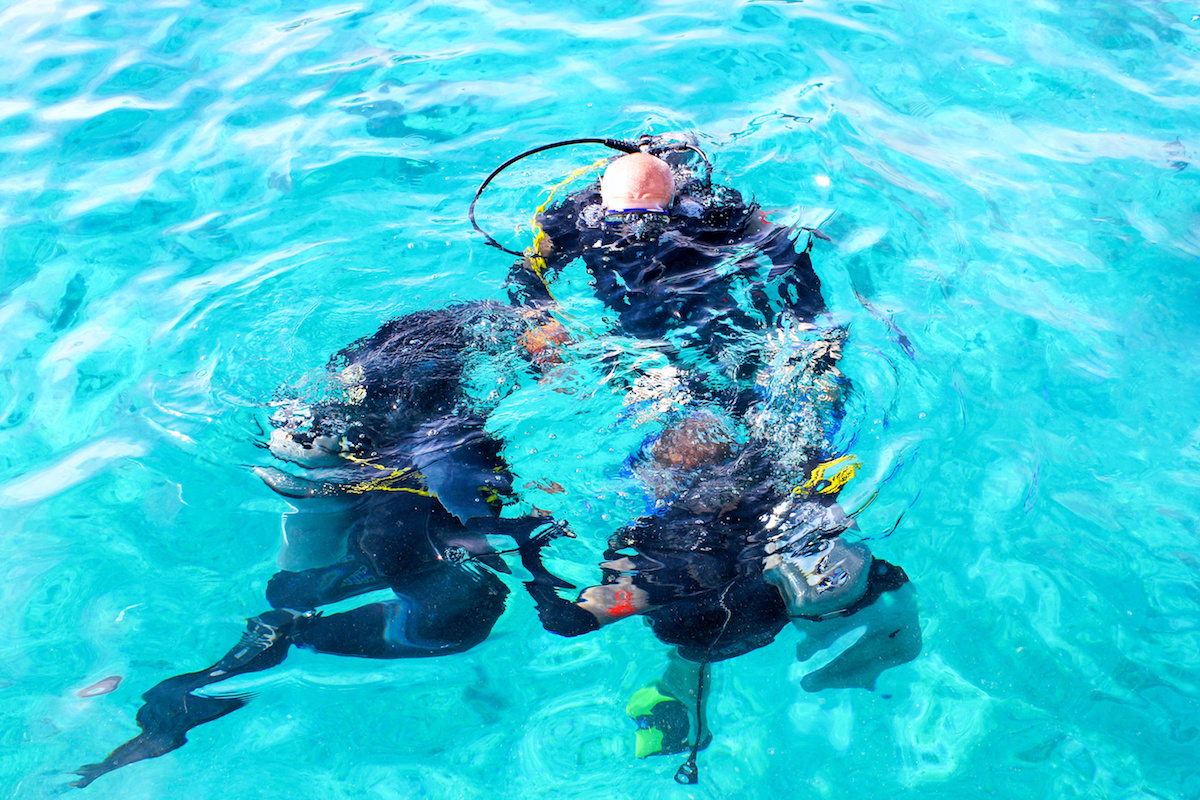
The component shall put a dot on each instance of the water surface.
(200, 201)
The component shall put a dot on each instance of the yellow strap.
(836, 481)
(536, 261)
(577, 173)
(385, 483)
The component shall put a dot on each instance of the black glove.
(559, 615)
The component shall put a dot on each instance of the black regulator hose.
(643, 144)
(615, 144)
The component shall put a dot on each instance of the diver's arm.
(818, 348)
(530, 275)
(610, 602)
(596, 607)
(556, 243)
(559, 615)
(526, 282)
(791, 274)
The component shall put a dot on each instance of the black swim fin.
(169, 713)
(171, 710)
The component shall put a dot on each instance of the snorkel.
(652, 145)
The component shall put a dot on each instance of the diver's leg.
(690, 682)
(353, 575)
(442, 611)
(171, 710)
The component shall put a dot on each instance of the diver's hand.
(559, 615)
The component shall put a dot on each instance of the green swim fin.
(662, 721)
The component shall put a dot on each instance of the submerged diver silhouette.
(402, 459)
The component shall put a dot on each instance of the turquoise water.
(199, 202)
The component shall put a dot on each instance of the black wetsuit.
(424, 485)
(700, 563)
(693, 275)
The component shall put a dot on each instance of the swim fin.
(662, 722)
(169, 713)
(171, 710)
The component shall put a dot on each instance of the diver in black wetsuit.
(736, 553)
(405, 462)
(729, 561)
(672, 254)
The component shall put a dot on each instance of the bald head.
(637, 182)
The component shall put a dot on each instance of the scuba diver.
(729, 555)
(670, 252)
(403, 487)
(743, 537)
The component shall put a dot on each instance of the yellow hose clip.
(836, 480)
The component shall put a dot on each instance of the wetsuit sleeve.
(526, 287)
(530, 276)
(559, 615)
(793, 275)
